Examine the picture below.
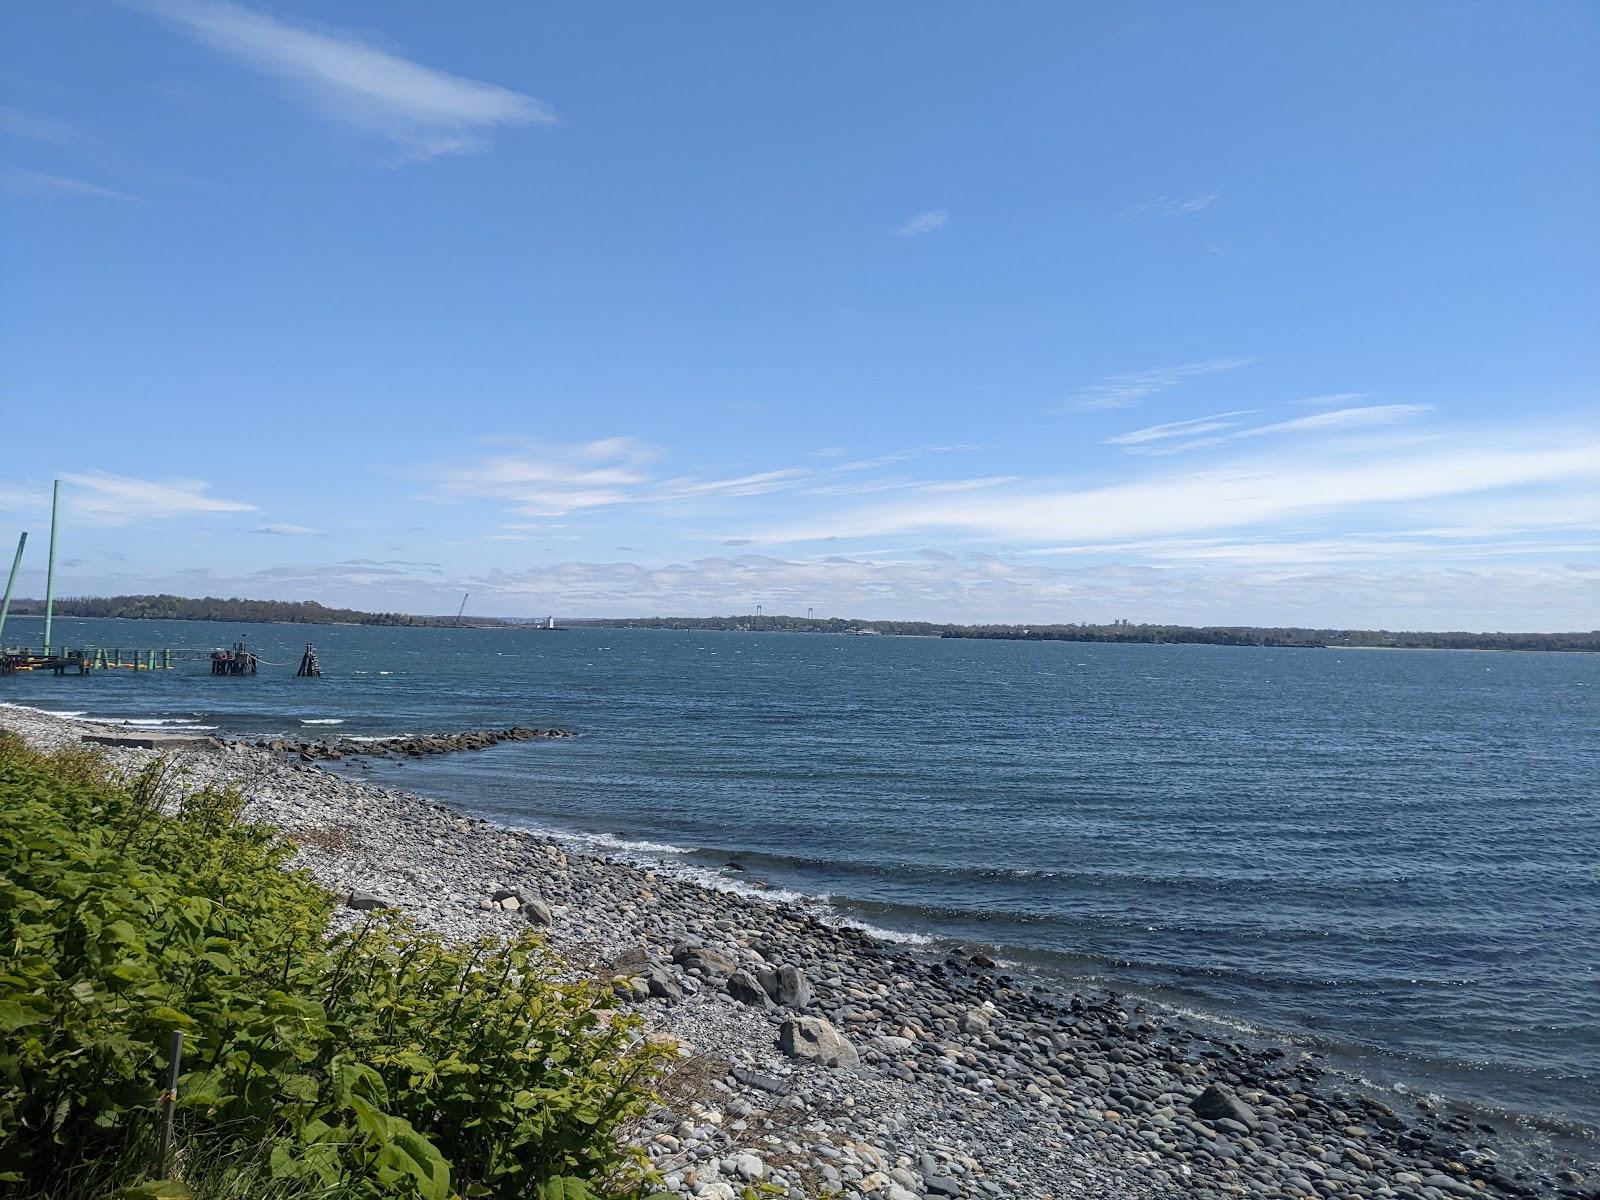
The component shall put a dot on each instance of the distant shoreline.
(239, 611)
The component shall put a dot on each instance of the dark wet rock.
(743, 988)
(1214, 1104)
(417, 746)
(366, 902)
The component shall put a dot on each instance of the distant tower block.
(310, 668)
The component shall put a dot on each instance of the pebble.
(916, 1075)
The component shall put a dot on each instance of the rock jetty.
(411, 746)
(817, 1060)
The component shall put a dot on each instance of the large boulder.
(631, 958)
(538, 913)
(705, 959)
(1214, 1104)
(743, 988)
(814, 1040)
(660, 982)
(787, 986)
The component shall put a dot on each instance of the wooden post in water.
(309, 667)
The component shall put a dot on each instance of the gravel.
(954, 1078)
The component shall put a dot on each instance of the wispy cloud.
(16, 123)
(1180, 429)
(1215, 431)
(1364, 417)
(115, 499)
(550, 481)
(1126, 390)
(423, 111)
(1240, 494)
(942, 586)
(1331, 400)
(33, 183)
(103, 499)
(1177, 206)
(988, 587)
(923, 222)
(742, 485)
(287, 530)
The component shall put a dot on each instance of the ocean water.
(1392, 857)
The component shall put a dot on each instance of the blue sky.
(1274, 314)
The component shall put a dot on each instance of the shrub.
(377, 1062)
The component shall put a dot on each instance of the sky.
(1242, 313)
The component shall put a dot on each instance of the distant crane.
(463, 607)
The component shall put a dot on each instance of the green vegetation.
(1210, 635)
(310, 612)
(377, 1062)
(214, 608)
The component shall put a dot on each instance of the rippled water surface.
(1394, 854)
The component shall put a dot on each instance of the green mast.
(50, 574)
(11, 580)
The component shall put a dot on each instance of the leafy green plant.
(377, 1062)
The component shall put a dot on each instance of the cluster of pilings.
(237, 660)
(82, 661)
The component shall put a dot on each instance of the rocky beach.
(821, 1060)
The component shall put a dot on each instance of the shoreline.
(971, 1081)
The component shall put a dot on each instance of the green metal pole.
(50, 573)
(11, 580)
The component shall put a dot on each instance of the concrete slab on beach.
(148, 741)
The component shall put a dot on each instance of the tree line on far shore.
(1211, 635)
(309, 612)
(213, 608)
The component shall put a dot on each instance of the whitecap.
(164, 724)
(643, 852)
(68, 714)
(322, 720)
(902, 936)
(612, 841)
